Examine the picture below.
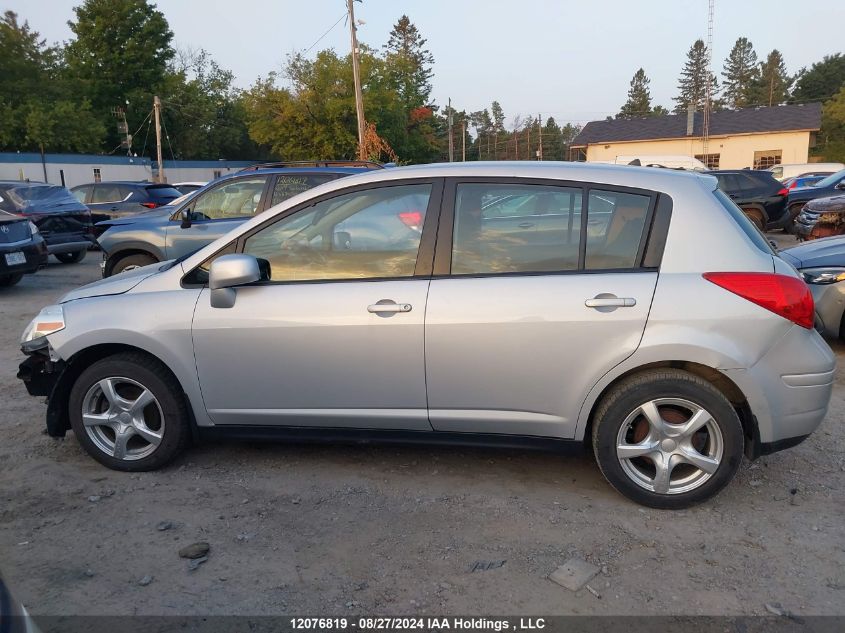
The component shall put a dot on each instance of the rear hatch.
(59, 216)
(13, 229)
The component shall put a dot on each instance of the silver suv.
(632, 310)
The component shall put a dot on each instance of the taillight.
(783, 192)
(149, 205)
(788, 297)
(792, 185)
(412, 219)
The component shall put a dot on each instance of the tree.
(822, 81)
(120, 53)
(639, 97)
(773, 82)
(832, 132)
(692, 84)
(498, 117)
(409, 63)
(38, 110)
(740, 73)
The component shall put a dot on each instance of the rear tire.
(72, 258)
(129, 414)
(10, 280)
(132, 261)
(671, 418)
(757, 218)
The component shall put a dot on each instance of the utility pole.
(451, 141)
(540, 127)
(356, 77)
(157, 112)
(464, 141)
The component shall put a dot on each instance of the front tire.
(131, 262)
(667, 439)
(72, 258)
(128, 412)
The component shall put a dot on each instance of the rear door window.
(230, 199)
(286, 186)
(106, 193)
(615, 224)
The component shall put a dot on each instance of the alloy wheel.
(123, 418)
(669, 445)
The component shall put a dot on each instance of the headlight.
(822, 276)
(51, 319)
(33, 229)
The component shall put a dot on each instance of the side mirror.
(227, 272)
(186, 219)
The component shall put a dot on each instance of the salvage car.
(822, 264)
(671, 341)
(199, 218)
(22, 249)
(830, 186)
(822, 217)
(62, 221)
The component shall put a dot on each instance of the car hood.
(161, 212)
(124, 282)
(828, 251)
(827, 205)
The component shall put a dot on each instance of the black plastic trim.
(767, 448)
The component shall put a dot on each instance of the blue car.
(173, 231)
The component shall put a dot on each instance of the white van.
(674, 161)
(782, 172)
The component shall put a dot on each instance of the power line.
(331, 28)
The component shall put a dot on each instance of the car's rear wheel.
(72, 258)
(10, 280)
(667, 438)
(131, 262)
(128, 413)
(756, 217)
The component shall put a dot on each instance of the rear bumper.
(34, 251)
(789, 389)
(69, 247)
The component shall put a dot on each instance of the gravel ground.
(366, 530)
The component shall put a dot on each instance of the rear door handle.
(525, 225)
(611, 302)
(388, 306)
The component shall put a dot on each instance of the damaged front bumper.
(43, 377)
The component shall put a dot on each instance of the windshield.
(831, 180)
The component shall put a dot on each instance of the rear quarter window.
(744, 223)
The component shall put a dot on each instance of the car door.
(334, 338)
(105, 201)
(214, 213)
(519, 329)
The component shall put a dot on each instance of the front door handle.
(525, 225)
(611, 302)
(388, 306)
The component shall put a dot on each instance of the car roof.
(130, 183)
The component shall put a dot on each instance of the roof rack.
(368, 164)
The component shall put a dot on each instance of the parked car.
(188, 187)
(830, 186)
(456, 329)
(22, 249)
(205, 215)
(63, 222)
(108, 200)
(821, 217)
(805, 180)
(782, 172)
(822, 264)
(758, 194)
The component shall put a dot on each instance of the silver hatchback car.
(635, 311)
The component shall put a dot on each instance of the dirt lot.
(350, 530)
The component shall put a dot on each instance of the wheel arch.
(58, 419)
(719, 380)
(115, 257)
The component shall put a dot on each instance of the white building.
(70, 170)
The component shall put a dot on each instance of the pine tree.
(692, 84)
(740, 73)
(773, 82)
(639, 97)
(409, 63)
(498, 117)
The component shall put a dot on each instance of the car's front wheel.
(128, 413)
(667, 438)
(131, 262)
(72, 258)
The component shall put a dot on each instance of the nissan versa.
(633, 310)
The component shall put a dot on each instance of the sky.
(569, 59)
